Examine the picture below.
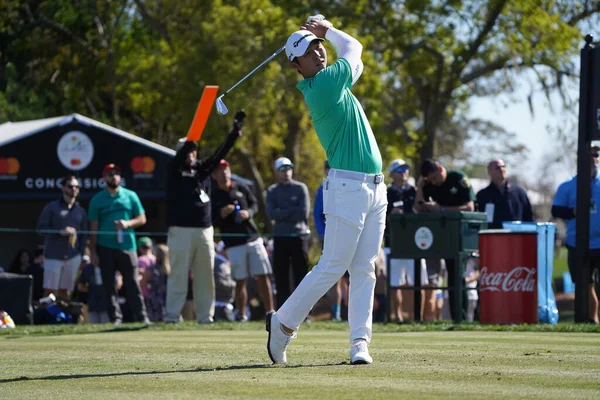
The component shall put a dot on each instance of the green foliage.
(142, 65)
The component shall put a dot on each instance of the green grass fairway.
(230, 361)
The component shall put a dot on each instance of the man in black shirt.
(233, 207)
(189, 219)
(502, 200)
(442, 190)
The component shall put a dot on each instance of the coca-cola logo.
(519, 279)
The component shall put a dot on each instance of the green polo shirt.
(107, 208)
(340, 122)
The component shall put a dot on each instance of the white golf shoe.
(278, 340)
(359, 353)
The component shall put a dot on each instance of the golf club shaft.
(254, 70)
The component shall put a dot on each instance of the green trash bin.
(449, 235)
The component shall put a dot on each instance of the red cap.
(110, 167)
(223, 163)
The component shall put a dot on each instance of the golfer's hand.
(319, 28)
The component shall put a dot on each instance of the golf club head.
(221, 107)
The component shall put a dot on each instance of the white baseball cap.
(397, 163)
(298, 42)
(283, 162)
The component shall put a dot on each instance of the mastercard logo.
(9, 166)
(142, 165)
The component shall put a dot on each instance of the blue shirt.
(566, 196)
(318, 213)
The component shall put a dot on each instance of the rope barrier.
(137, 233)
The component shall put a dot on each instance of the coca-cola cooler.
(508, 277)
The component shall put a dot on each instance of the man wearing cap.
(233, 208)
(442, 190)
(288, 206)
(114, 213)
(401, 198)
(564, 207)
(354, 194)
(502, 200)
(63, 223)
(189, 219)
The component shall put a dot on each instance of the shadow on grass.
(138, 373)
(117, 328)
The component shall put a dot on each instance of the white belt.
(356, 176)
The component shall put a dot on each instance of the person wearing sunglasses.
(63, 223)
(503, 200)
(563, 207)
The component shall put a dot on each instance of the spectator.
(563, 207)
(146, 259)
(234, 206)
(288, 206)
(91, 285)
(20, 262)
(335, 293)
(380, 301)
(189, 218)
(471, 280)
(401, 198)
(114, 213)
(155, 279)
(502, 200)
(61, 223)
(36, 270)
(441, 190)
(224, 288)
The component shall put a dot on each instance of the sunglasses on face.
(286, 168)
(401, 169)
(72, 186)
(500, 166)
(113, 173)
(595, 155)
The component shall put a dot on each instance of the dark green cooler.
(449, 235)
(435, 235)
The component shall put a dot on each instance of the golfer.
(354, 195)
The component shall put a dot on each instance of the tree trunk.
(292, 140)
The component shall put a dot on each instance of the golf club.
(221, 107)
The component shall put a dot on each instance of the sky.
(531, 130)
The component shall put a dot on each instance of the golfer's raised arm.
(348, 48)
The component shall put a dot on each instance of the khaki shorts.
(61, 274)
(249, 259)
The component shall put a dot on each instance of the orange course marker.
(207, 100)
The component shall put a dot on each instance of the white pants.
(355, 208)
(195, 248)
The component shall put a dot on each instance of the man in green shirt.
(354, 195)
(114, 213)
